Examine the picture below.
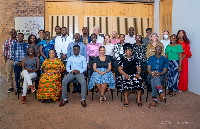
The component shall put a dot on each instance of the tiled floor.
(180, 112)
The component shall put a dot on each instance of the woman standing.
(102, 75)
(50, 81)
(129, 68)
(173, 52)
(32, 41)
(45, 46)
(153, 42)
(30, 65)
(139, 52)
(184, 41)
(109, 47)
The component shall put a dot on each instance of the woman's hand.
(126, 76)
(137, 76)
(102, 73)
(179, 69)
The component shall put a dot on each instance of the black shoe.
(74, 91)
(49, 100)
(10, 90)
(43, 100)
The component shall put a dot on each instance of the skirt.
(100, 79)
(129, 84)
(173, 75)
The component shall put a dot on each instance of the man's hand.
(19, 64)
(88, 65)
(157, 74)
(77, 71)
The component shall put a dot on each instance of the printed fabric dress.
(129, 66)
(183, 80)
(105, 78)
(45, 49)
(50, 86)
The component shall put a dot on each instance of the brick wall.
(11, 9)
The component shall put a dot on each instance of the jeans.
(17, 70)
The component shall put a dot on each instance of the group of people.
(121, 63)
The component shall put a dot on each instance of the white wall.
(186, 16)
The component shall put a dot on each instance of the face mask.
(165, 36)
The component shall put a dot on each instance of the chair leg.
(111, 93)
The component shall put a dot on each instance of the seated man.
(76, 65)
(157, 68)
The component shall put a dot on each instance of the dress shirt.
(7, 48)
(100, 39)
(61, 44)
(115, 41)
(118, 51)
(93, 50)
(19, 51)
(129, 39)
(151, 49)
(165, 43)
(83, 51)
(76, 63)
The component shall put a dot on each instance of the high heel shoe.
(104, 97)
(101, 99)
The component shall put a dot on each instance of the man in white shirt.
(130, 38)
(165, 41)
(99, 38)
(61, 44)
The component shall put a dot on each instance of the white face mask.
(165, 36)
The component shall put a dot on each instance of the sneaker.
(10, 90)
(153, 104)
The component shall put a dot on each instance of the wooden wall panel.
(81, 9)
(165, 20)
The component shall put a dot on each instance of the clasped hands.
(74, 72)
(51, 73)
(155, 74)
(126, 76)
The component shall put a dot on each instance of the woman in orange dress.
(184, 41)
(50, 81)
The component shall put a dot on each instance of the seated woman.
(30, 65)
(50, 81)
(173, 52)
(102, 75)
(129, 68)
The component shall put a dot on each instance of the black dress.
(129, 66)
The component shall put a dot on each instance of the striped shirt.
(7, 48)
(19, 51)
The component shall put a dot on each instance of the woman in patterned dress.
(50, 81)
(45, 46)
(129, 68)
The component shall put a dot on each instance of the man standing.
(70, 52)
(58, 32)
(130, 38)
(114, 39)
(7, 53)
(166, 40)
(41, 35)
(76, 65)
(146, 39)
(61, 44)
(157, 68)
(99, 38)
(19, 52)
(85, 38)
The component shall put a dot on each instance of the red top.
(186, 49)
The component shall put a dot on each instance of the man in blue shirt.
(70, 52)
(157, 68)
(19, 52)
(76, 65)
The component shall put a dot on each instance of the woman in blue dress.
(45, 46)
(102, 75)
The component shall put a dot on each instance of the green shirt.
(173, 52)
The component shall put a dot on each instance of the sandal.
(104, 97)
(32, 89)
(101, 99)
(23, 99)
(140, 104)
(125, 104)
(43, 100)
